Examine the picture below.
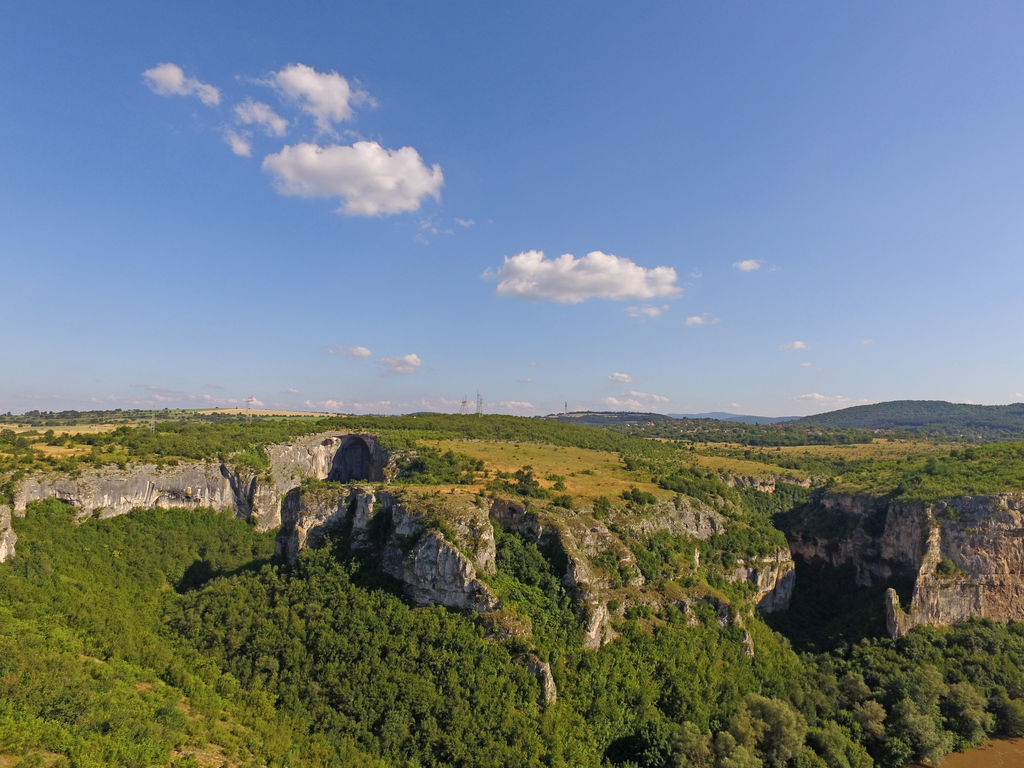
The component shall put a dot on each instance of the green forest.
(177, 638)
(173, 637)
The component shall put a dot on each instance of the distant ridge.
(935, 417)
(620, 417)
(742, 419)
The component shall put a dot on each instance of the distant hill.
(724, 416)
(609, 418)
(931, 417)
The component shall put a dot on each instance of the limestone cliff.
(963, 556)
(774, 577)
(408, 541)
(7, 536)
(110, 491)
(597, 567)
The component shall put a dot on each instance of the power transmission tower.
(464, 405)
(566, 406)
(479, 404)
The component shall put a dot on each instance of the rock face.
(109, 491)
(963, 555)
(7, 535)
(542, 671)
(399, 536)
(774, 576)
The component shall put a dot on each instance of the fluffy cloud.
(570, 280)
(629, 404)
(338, 349)
(793, 346)
(251, 112)
(168, 80)
(239, 144)
(702, 319)
(327, 97)
(622, 378)
(464, 223)
(406, 364)
(649, 396)
(806, 365)
(748, 265)
(370, 179)
(646, 311)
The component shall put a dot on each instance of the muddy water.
(996, 754)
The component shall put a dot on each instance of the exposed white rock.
(7, 536)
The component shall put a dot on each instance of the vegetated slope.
(322, 663)
(165, 637)
(743, 419)
(929, 417)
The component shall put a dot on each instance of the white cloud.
(735, 406)
(649, 396)
(326, 405)
(647, 311)
(748, 265)
(806, 365)
(630, 404)
(289, 391)
(704, 319)
(865, 342)
(238, 143)
(338, 349)
(370, 179)
(465, 223)
(526, 380)
(327, 97)
(1019, 395)
(622, 378)
(793, 346)
(406, 364)
(168, 80)
(570, 280)
(251, 112)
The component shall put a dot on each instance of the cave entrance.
(353, 461)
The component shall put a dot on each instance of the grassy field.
(587, 473)
(75, 429)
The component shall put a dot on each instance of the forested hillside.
(177, 637)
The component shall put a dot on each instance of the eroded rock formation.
(7, 536)
(110, 491)
(402, 538)
(963, 556)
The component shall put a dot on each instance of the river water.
(995, 754)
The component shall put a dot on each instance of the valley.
(488, 590)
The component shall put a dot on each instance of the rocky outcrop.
(542, 671)
(404, 540)
(110, 491)
(963, 556)
(7, 536)
(742, 482)
(774, 577)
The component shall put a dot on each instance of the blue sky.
(384, 207)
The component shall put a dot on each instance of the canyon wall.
(964, 556)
